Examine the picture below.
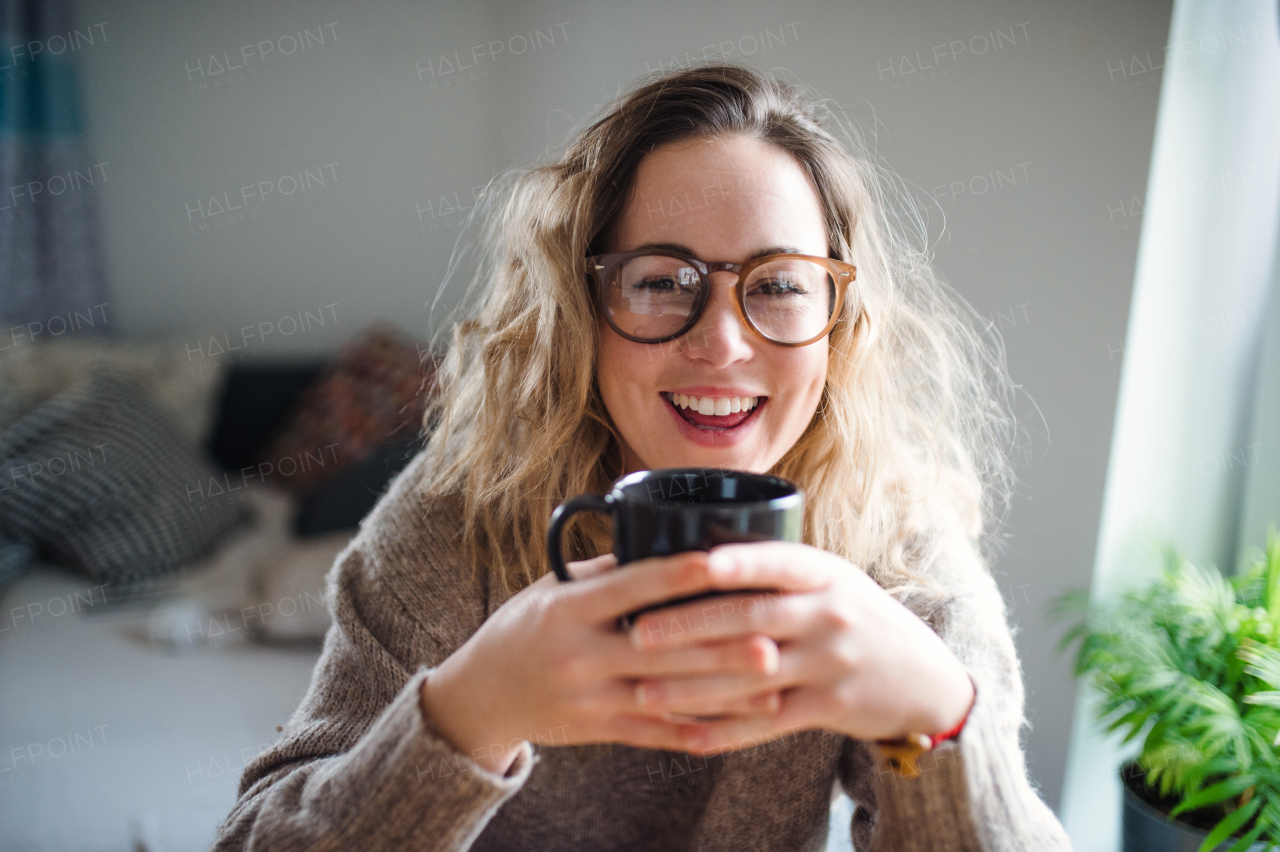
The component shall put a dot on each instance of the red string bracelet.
(936, 740)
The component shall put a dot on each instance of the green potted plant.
(1190, 662)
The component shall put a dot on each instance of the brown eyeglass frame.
(599, 266)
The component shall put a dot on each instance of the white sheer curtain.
(1184, 446)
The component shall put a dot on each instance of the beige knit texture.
(358, 767)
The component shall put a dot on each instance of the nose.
(719, 336)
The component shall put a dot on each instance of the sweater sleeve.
(359, 766)
(973, 792)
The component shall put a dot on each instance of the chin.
(749, 462)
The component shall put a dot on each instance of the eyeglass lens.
(652, 296)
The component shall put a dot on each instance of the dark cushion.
(255, 400)
(104, 482)
(342, 502)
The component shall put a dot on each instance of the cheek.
(621, 368)
(820, 371)
(806, 374)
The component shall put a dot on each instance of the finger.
(780, 615)
(781, 565)
(718, 703)
(702, 694)
(594, 567)
(646, 732)
(617, 696)
(765, 704)
(639, 584)
(801, 666)
(742, 732)
(747, 654)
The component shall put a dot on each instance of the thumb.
(592, 567)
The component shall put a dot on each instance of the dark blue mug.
(674, 510)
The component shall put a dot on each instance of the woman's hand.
(551, 666)
(852, 658)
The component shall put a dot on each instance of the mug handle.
(581, 503)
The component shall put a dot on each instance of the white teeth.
(719, 406)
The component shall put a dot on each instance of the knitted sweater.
(359, 767)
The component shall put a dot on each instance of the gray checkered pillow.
(103, 480)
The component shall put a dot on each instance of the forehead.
(724, 194)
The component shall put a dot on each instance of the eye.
(777, 286)
(665, 282)
(684, 280)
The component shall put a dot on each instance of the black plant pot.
(1148, 829)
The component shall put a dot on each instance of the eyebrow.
(692, 253)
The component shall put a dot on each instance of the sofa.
(129, 710)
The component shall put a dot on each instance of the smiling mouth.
(712, 414)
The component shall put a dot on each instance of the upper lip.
(714, 392)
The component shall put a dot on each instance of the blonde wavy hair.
(910, 441)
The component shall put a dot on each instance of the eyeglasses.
(655, 295)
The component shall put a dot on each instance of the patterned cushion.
(101, 478)
(373, 392)
(177, 378)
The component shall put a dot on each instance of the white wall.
(1066, 106)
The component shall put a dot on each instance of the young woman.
(707, 278)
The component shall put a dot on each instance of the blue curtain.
(51, 277)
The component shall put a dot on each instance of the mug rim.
(783, 501)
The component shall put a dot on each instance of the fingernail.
(772, 660)
(722, 563)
